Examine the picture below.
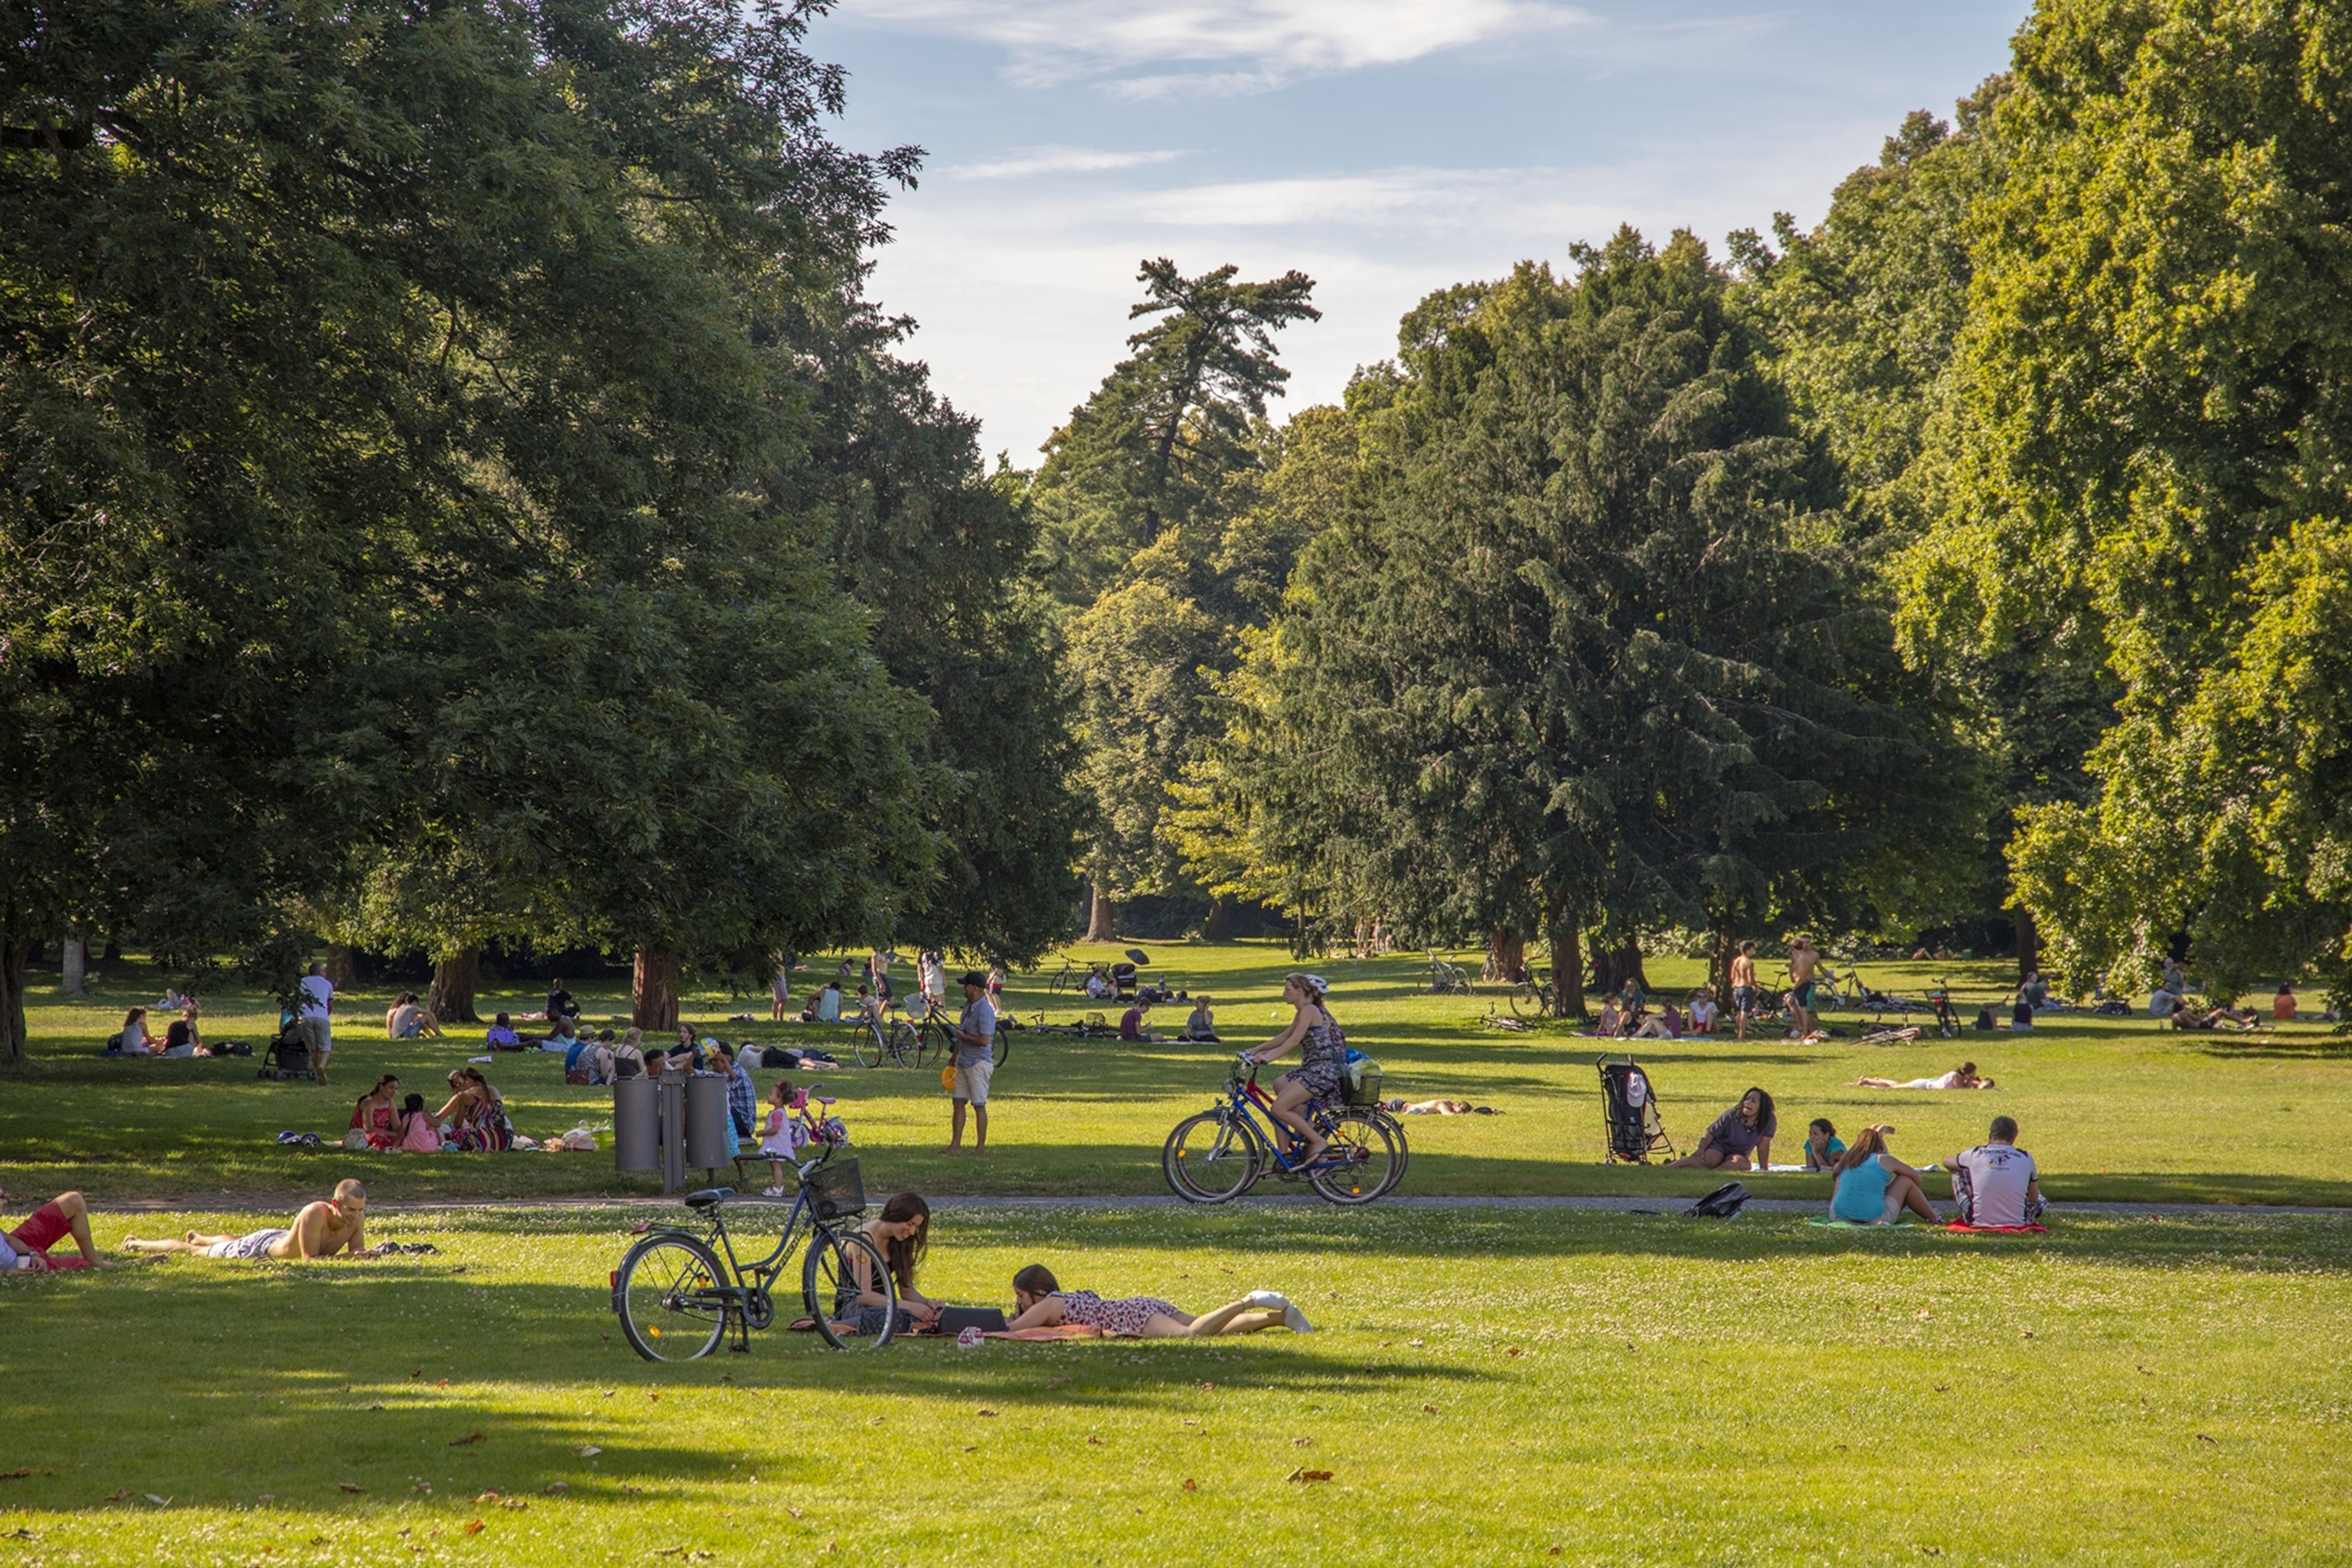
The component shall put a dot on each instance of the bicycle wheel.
(829, 1281)
(1211, 1158)
(1000, 1049)
(903, 1045)
(671, 1297)
(1526, 1000)
(1368, 1149)
(865, 1045)
(1404, 1145)
(935, 1048)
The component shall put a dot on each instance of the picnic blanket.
(1835, 1224)
(1999, 1229)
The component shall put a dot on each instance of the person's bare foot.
(952, 1149)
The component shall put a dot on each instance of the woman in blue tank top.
(1874, 1187)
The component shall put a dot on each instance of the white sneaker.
(1273, 1300)
(1295, 1320)
(772, 1193)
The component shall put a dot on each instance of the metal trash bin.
(706, 1121)
(636, 1125)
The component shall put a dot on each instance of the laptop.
(956, 1319)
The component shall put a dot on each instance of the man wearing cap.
(975, 1058)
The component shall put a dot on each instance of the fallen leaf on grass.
(972, 1447)
(19, 1533)
(1429, 1409)
(473, 1527)
(425, 1487)
(1206, 1386)
(557, 1488)
(350, 1487)
(419, 1371)
(791, 1509)
(1923, 1314)
(1554, 1552)
(587, 1451)
(1191, 1485)
(15, 1475)
(265, 1497)
(1943, 1388)
(988, 1413)
(514, 1502)
(1513, 1350)
(491, 1495)
(1302, 1442)
(1094, 1440)
(468, 1438)
(2202, 1438)
(1308, 1476)
(653, 1396)
(119, 1493)
(166, 1502)
(1416, 1343)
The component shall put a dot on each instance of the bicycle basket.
(836, 1190)
(1361, 1081)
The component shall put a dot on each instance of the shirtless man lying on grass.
(321, 1230)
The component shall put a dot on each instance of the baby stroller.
(286, 1058)
(1122, 973)
(1630, 1107)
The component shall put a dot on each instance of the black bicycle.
(677, 1291)
(934, 1042)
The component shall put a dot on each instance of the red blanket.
(1999, 1229)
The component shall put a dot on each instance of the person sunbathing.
(336, 1224)
(1040, 1302)
(1962, 1077)
(27, 1247)
(1440, 1107)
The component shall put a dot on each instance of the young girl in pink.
(781, 1136)
(419, 1134)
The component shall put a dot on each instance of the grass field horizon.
(2112, 1108)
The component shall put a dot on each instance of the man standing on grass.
(975, 1058)
(312, 1020)
(1743, 984)
(1995, 1182)
(27, 1247)
(321, 1230)
(1805, 963)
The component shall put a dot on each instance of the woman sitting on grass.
(135, 1040)
(1962, 1077)
(479, 1115)
(1731, 1139)
(373, 1117)
(1874, 1187)
(1823, 1145)
(1040, 1302)
(903, 1231)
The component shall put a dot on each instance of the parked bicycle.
(1220, 1153)
(1447, 979)
(677, 1291)
(931, 1040)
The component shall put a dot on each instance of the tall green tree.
(2148, 417)
(1584, 653)
(1134, 501)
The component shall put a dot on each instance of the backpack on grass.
(1721, 1203)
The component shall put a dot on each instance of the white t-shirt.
(317, 992)
(935, 979)
(1702, 1012)
(1998, 1175)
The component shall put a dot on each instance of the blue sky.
(1387, 147)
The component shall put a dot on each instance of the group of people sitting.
(1200, 1024)
(181, 1037)
(1627, 1017)
(473, 1120)
(1994, 1184)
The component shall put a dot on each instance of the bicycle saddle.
(709, 1197)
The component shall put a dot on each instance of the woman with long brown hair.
(1322, 1059)
(903, 1231)
(479, 1114)
(376, 1113)
(1874, 1187)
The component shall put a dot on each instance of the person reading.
(1962, 1077)
(1130, 1023)
(332, 1226)
(26, 1249)
(1995, 1182)
(1874, 1187)
(1040, 1302)
(902, 1233)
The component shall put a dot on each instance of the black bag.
(1720, 1203)
(1984, 1018)
(779, 1057)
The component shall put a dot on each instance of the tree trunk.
(455, 980)
(1218, 925)
(1506, 954)
(1612, 966)
(14, 951)
(2028, 943)
(1567, 967)
(76, 960)
(343, 966)
(653, 991)
(1100, 925)
(1718, 968)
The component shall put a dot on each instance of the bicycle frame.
(747, 1296)
(1249, 1098)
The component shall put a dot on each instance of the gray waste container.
(706, 1121)
(637, 1126)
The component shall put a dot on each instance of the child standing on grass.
(782, 1137)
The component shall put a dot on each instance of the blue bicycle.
(1220, 1153)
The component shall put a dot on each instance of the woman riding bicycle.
(1321, 1062)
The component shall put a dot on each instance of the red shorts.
(42, 1230)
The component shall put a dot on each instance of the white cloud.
(1033, 161)
(1059, 40)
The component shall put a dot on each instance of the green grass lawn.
(2111, 1109)
(1486, 1386)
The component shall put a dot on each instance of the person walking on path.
(975, 1061)
(313, 1019)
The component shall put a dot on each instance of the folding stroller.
(286, 1057)
(1631, 1109)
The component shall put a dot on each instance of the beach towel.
(1999, 1229)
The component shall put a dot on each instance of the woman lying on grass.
(1874, 1187)
(1040, 1302)
(1962, 1077)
